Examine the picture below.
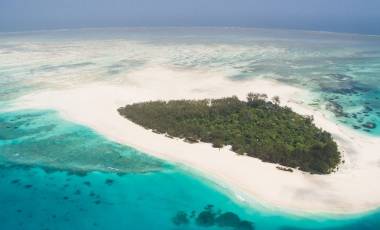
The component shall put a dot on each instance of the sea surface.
(55, 174)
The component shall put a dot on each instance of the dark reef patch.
(369, 125)
(28, 186)
(208, 217)
(336, 109)
(341, 84)
(87, 183)
(109, 182)
(180, 218)
(205, 218)
(227, 219)
(15, 181)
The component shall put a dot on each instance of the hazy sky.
(358, 16)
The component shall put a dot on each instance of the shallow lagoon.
(143, 194)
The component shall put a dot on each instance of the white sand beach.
(353, 189)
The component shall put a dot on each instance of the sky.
(350, 16)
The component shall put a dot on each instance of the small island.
(256, 127)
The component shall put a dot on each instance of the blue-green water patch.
(32, 198)
(58, 175)
(42, 138)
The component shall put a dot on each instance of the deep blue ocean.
(55, 174)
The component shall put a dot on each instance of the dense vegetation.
(256, 127)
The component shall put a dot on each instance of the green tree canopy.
(255, 127)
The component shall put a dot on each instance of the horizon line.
(183, 27)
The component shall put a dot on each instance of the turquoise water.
(55, 174)
(51, 192)
(41, 138)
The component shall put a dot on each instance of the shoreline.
(350, 191)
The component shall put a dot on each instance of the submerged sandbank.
(352, 189)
